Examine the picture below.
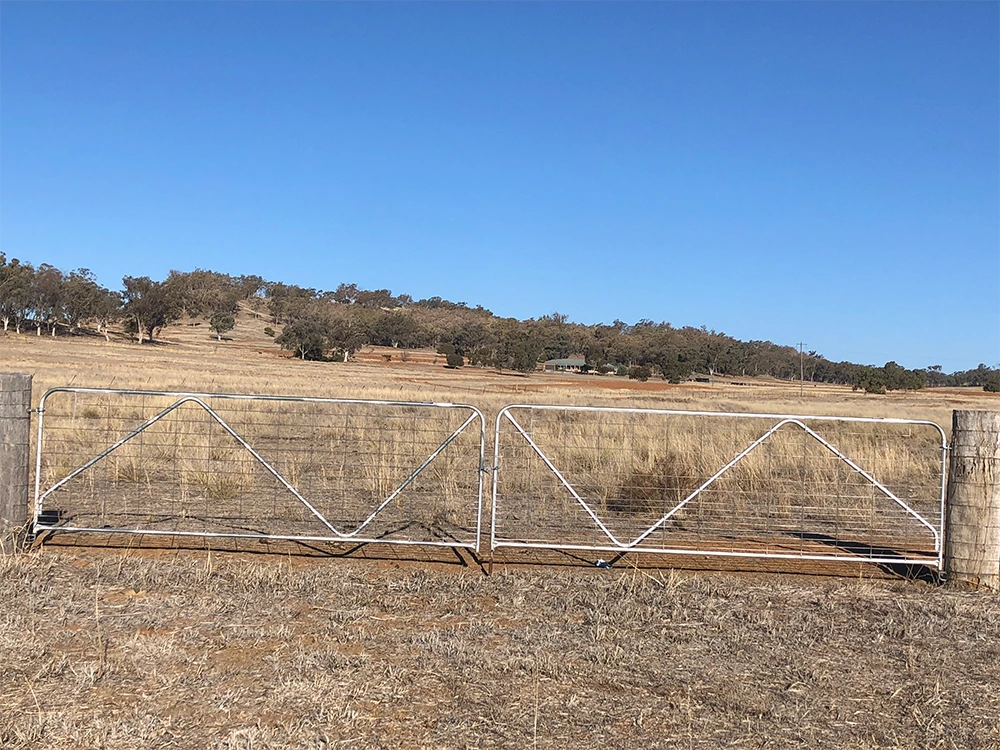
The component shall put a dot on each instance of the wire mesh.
(721, 484)
(272, 467)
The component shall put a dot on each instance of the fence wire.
(256, 466)
(781, 486)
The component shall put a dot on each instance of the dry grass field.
(113, 649)
(222, 646)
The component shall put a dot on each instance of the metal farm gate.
(212, 465)
(564, 477)
(707, 483)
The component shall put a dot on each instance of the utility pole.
(802, 372)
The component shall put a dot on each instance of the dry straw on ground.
(123, 650)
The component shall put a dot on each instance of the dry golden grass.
(111, 649)
(193, 649)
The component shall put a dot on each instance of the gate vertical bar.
(15, 448)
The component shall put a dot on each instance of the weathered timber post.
(972, 530)
(15, 448)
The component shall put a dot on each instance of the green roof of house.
(567, 362)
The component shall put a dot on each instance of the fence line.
(601, 479)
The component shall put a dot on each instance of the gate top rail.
(253, 397)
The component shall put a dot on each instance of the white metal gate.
(271, 467)
(585, 478)
(709, 483)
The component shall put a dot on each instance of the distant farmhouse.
(565, 365)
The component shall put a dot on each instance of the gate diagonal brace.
(274, 472)
(739, 457)
(149, 423)
(406, 482)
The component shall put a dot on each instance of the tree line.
(316, 324)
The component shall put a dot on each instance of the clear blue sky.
(817, 172)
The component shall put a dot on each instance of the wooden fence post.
(972, 529)
(15, 449)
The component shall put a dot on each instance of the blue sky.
(817, 172)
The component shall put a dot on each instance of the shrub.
(869, 379)
(455, 360)
(656, 488)
(640, 372)
(269, 332)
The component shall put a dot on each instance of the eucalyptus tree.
(221, 322)
(16, 282)
(148, 305)
(48, 298)
(107, 310)
(308, 337)
(85, 299)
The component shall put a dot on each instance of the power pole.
(802, 372)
